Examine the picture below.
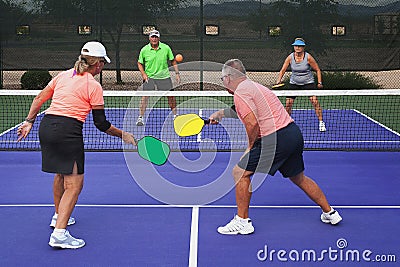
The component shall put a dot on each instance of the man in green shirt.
(153, 65)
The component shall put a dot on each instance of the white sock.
(246, 220)
(327, 213)
(59, 233)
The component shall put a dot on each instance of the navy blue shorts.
(281, 151)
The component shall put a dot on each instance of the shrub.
(344, 80)
(35, 79)
(347, 80)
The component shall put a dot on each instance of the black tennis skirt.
(61, 141)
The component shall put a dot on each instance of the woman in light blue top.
(302, 64)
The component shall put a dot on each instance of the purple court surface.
(131, 213)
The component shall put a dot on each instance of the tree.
(297, 18)
(11, 14)
(110, 16)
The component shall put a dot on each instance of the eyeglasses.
(223, 77)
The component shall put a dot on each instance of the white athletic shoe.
(71, 221)
(140, 121)
(237, 226)
(322, 127)
(332, 217)
(67, 241)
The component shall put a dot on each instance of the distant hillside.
(225, 9)
(245, 8)
(360, 10)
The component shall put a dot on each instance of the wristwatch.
(30, 120)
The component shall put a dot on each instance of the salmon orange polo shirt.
(266, 106)
(74, 95)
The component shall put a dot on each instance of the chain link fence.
(344, 35)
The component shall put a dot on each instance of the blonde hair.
(85, 63)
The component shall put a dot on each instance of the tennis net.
(355, 120)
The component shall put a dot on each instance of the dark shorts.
(309, 86)
(158, 84)
(61, 141)
(282, 151)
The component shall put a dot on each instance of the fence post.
(1, 63)
(201, 43)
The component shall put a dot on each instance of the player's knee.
(314, 101)
(298, 179)
(237, 173)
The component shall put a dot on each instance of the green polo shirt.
(156, 61)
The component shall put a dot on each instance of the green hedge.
(35, 79)
(344, 80)
(347, 80)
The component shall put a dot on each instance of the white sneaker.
(322, 127)
(237, 226)
(67, 241)
(140, 121)
(71, 221)
(332, 217)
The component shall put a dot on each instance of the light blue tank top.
(301, 71)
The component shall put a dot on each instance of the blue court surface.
(125, 225)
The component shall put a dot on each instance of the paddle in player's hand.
(189, 124)
(153, 150)
(277, 86)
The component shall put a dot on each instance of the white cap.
(154, 32)
(95, 49)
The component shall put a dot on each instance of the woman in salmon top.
(74, 94)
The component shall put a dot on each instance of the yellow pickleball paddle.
(189, 124)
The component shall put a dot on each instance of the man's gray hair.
(234, 68)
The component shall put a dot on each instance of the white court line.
(376, 122)
(16, 126)
(194, 229)
(206, 206)
(194, 234)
